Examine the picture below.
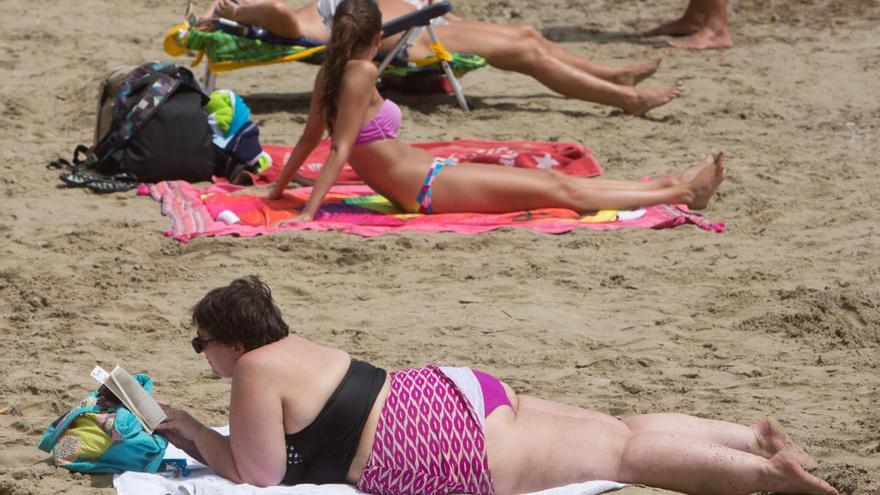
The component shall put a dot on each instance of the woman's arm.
(358, 85)
(255, 451)
(307, 142)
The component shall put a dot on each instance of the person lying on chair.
(301, 412)
(364, 128)
(518, 48)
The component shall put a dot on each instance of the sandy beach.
(777, 316)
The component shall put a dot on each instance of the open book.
(132, 395)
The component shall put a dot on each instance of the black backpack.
(157, 132)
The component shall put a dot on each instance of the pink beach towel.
(356, 209)
(568, 158)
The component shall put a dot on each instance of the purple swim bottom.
(494, 395)
(429, 440)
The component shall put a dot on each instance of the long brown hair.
(355, 23)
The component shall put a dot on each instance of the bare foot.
(787, 476)
(634, 74)
(691, 172)
(709, 175)
(772, 439)
(678, 27)
(648, 98)
(703, 39)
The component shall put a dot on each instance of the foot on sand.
(678, 27)
(647, 98)
(772, 439)
(787, 476)
(704, 39)
(706, 176)
(634, 74)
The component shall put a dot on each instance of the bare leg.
(472, 187)
(537, 60)
(274, 15)
(559, 450)
(521, 33)
(765, 438)
(528, 402)
(705, 24)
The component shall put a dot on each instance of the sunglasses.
(198, 343)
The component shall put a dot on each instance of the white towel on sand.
(203, 481)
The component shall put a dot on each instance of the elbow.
(260, 478)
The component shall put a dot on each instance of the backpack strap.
(60, 425)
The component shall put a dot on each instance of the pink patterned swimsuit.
(429, 439)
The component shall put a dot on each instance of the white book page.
(138, 401)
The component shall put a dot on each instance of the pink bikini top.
(383, 126)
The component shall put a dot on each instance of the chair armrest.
(421, 17)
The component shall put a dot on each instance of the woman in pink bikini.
(304, 413)
(364, 130)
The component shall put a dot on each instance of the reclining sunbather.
(364, 127)
(304, 413)
(518, 48)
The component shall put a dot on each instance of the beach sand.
(778, 316)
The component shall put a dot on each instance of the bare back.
(305, 376)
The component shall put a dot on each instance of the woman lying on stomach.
(304, 413)
(364, 127)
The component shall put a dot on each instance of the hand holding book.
(132, 395)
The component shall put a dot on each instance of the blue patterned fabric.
(130, 448)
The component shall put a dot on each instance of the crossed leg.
(480, 188)
(522, 49)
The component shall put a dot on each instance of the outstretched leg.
(765, 438)
(537, 59)
(705, 24)
(473, 187)
(531, 450)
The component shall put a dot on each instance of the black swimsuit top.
(322, 451)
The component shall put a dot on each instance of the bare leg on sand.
(704, 23)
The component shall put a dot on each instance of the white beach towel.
(203, 481)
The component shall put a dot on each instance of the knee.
(528, 48)
(566, 186)
(526, 32)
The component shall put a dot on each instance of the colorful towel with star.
(356, 209)
(568, 158)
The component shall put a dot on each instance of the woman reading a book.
(301, 412)
(518, 48)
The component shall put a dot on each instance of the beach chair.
(232, 46)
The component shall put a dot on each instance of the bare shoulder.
(360, 72)
(261, 362)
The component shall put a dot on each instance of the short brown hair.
(241, 313)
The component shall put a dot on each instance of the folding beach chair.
(231, 46)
